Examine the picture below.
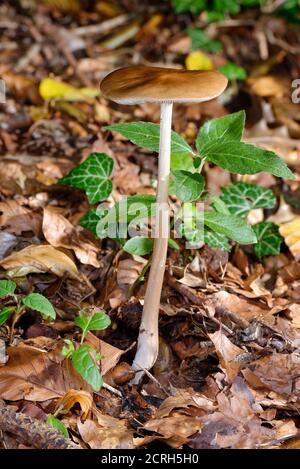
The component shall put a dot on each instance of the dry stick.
(147, 348)
(32, 431)
(104, 27)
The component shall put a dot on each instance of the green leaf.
(242, 158)
(92, 322)
(90, 220)
(5, 313)
(60, 426)
(230, 6)
(219, 206)
(86, 366)
(216, 240)
(92, 177)
(268, 239)
(129, 210)
(241, 197)
(219, 130)
(200, 40)
(7, 288)
(186, 185)
(182, 161)
(68, 348)
(173, 245)
(233, 71)
(231, 226)
(146, 135)
(139, 245)
(39, 303)
(194, 6)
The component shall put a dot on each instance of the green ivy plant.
(19, 304)
(225, 219)
(84, 357)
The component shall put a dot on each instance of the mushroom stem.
(147, 348)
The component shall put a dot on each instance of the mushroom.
(137, 85)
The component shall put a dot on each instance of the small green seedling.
(21, 303)
(84, 357)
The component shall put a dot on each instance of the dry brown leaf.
(175, 430)
(227, 353)
(59, 232)
(291, 233)
(110, 354)
(17, 219)
(108, 433)
(43, 258)
(278, 372)
(266, 86)
(75, 396)
(235, 424)
(34, 374)
(183, 400)
(243, 307)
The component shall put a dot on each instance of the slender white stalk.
(147, 348)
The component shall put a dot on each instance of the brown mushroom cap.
(137, 85)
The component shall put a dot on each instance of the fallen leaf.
(227, 353)
(34, 374)
(235, 424)
(266, 86)
(43, 258)
(107, 433)
(291, 233)
(174, 430)
(278, 372)
(110, 354)
(17, 219)
(50, 88)
(73, 397)
(197, 60)
(60, 233)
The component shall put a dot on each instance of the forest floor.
(227, 375)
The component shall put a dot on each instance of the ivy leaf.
(94, 322)
(90, 220)
(219, 130)
(186, 185)
(7, 288)
(231, 226)
(242, 158)
(92, 177)
(233, 71)
(241, 197)
(5, 313)
(146, 135)
(216, 240)
(200, 40)
(139, 245)
(39, 303)
(87, 367)
(60, 426)
(268, 239)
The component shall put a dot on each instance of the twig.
(104, 27)
(133, 381)
(32, 431)
(111, 389)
